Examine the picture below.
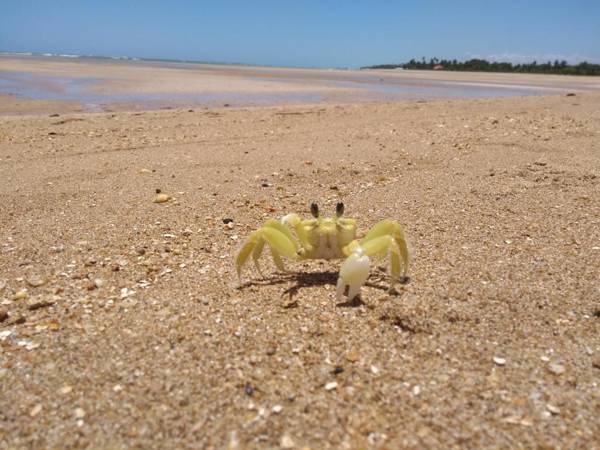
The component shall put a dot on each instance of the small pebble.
(277, 409)
(4, 334)
(90, 261)
(556, 369)
(126, 292)
(20, 295)
(35, 281)
(331, 386)
(553, 409)
(499, 361)
(286, 441)
(66, 390)
(35, 410)
(161, 198)
(227, 220)
(352, 355)
(271, 350)
(79, 413)
(34, 304)
(31, 346)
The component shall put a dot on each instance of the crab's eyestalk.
(314, 210)
(339, 209)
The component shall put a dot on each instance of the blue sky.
(321, 33)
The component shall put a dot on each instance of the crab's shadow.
(310, 279)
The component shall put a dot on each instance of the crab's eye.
(339, 209)
(314, 210)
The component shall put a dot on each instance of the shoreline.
(15, 107)
(117, 85)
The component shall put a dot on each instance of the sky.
(308, 33)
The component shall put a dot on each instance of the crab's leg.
(277, 260)
(393, 229)
(279, 226)
(382, 246)
(256, 254)
(279, 242)
(246, 250)
(295, 221)
(385, 238)
(282, 229)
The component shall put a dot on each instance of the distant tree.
(481, 65)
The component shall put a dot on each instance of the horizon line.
(207, 62)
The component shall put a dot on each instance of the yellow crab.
(330, 238)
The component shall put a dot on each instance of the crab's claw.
(353, 273)
(386, 239)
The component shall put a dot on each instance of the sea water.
(334, 86)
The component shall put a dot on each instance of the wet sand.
(108, 85)
(121, 325)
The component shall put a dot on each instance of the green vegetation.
(481, 65)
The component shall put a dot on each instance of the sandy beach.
(53, 84)
(122, 325)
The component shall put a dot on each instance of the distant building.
(438, 67)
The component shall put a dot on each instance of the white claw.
(353, 273)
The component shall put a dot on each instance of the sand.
(109, 85)
(131, 332)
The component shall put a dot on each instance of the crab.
(330, 239)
